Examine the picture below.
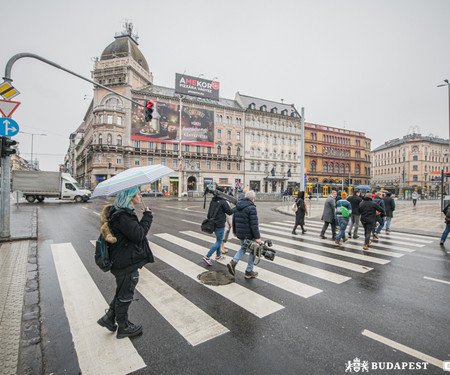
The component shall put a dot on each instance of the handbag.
(294, 207)
(208, 225)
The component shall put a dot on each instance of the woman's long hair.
(301, 195)
(123, 199)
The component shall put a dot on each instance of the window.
(119, 120)
(219, 133)
(228, 166)
(238, 166)
(137, 161)
(415, 157)
(330, 167)
(415, 168)
(100, 159)
(164, 146)
(137, 144)
(119, 159)
(347, 168)
(358, 169)
(100, 139)
(197, 165)
(119, 140)
(229, 150)
(228, 134)
(208, 165)
(109, 119)
(109, 139)
(219, 150)
(186, 148)
(252, 167)
(219, 165)
(175, 146)
(238, 136)
(325, 167)
(208, 150)
(415, 177)
(198, 149)
(313, 166)
(151, 145)
(149, 161)
(163, 161)
(174, 164)
(238, 151)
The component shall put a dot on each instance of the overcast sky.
(371, 66)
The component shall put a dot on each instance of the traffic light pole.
(5, 198)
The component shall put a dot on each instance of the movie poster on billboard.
(197, 124)
(196, 86)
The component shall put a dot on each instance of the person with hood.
(343, 213)
(389, 204)
(245, 227)
(380, 216)
(414, 197)
(355, 200)
(129, 251)
(446, 212)
(368, 210)
(328, 215)
(218, 208)
(300, 213)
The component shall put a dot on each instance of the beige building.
(412, 163)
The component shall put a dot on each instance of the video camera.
(258, 250)
(220, 194)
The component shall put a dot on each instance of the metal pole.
(32, 140)
(180, 157)
(448, 154)
(302, 144)
(5, 197)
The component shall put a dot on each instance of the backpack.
(345, 212)
(101, 256)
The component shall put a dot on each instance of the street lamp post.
(447, 83)
(32, 141)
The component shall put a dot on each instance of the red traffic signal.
(148, 111)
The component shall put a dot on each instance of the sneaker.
(338, 243)
(129, 330)
(441, 243)
(207, 260)
(323, 237)
(345, 240)
(365, 247)
(349, 234)
(388, 231)
(375, 235)
(108, 321)
(231, 266)
(220, 257)
(355, 236)
(251, 274)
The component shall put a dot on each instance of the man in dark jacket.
(329, 215)
(245, 226)
(355, 200)
(129, 251)
(217, 210)
(368, 210)
(389, 204)
(380, 217)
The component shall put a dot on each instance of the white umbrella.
(131, 178)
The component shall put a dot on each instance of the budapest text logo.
(364, 366)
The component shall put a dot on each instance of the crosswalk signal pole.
(5, 197)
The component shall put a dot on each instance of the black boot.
(128, 330)
(108, 320)
(293, 230)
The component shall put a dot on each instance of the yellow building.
(335, 158)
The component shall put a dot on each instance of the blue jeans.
(446, 232)
(343, 222)
(219, 238)
(380, 221)
(388, 222)
(239, 255)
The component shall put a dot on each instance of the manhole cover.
(216, 278)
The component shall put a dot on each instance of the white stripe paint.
(299, 267)
(439, 281)
(84, 305)
(324, 248)
(292, 286)
(403, 348)
(348, 245)
(252, 302)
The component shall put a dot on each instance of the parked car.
(152, 193)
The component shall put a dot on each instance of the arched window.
(347, 168)
(358, 169)
(341, 169)
(100, 139)
(229, 150)
(219, 150)
(313, 165)
(330, 168)
(119, 140)
(325, 167)
(238, 151)
(109, 139)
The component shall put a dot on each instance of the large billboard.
(195, 86)
(197, 124)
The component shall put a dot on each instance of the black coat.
(224, 208)
(300, 213)
(131, 251)
(389, 203)
(245, 220)
(380, 201)
(368, 210)
(355, 200)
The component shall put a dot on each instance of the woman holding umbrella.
(129, 252)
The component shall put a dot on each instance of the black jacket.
(380, 201)
(355, 201)
(224, 208)
(245, 220)
(389, 203)
(131, 251)
(368, 210)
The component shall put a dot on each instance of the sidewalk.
(20, 351)
(425, 219)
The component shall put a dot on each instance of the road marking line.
(186, 318)
(403, 348)
(254, 303)
(84, 304)
(191, 222)
(440, 281)
(290, 285)
(347, 254)
(296, 266)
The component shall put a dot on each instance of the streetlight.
(448, 86)
(32, 141)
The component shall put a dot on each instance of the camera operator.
(245, 226)
(220, 207)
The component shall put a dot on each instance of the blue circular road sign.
(8, 127)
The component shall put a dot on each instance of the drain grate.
(216, 278)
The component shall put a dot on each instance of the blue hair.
(123, 199)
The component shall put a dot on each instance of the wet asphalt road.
(315, 335)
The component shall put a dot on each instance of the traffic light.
(7, 149)
(148, 111)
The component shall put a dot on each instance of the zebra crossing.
(82, 297)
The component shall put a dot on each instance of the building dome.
(125, 45)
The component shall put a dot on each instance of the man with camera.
(245, 227)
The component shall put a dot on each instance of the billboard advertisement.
(195, 86)
(197, 124)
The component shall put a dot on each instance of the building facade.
(335, 158)
(411, 163)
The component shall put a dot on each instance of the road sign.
(7, 90)
(7, 107)
(8, 127)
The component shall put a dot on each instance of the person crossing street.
(355, 200)
(343, 213)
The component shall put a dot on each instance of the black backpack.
(208, 225)
(102, 254)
